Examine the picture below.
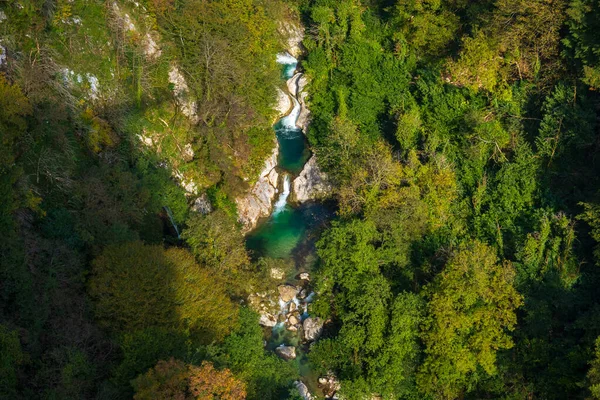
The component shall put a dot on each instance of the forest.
(462, 142)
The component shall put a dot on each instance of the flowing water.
(291, 229)
(289, 225)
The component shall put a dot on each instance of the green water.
(288, 233)
(293, 152)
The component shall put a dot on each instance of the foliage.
(175, 380)
(138, 286)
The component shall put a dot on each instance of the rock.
(267, 320)
(304, 276)
(293, 320)
(286, 352)
(292, 328)
(294, 35)
(322, 380)
(303, 390)
(277, 273)
(302, 294)
(187, 152)
(292, 307)
(311, 184)
(202, 205)
(301, 94)
(284, 103)
(313, 327)
(181, 92)
(257, 203)
(287, 292)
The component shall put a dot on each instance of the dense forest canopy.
(461, 140)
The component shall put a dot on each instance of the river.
(290, 233)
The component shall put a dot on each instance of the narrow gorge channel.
(289, 234)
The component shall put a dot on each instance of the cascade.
(282, 200)
(170, 214)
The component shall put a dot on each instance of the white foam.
(282, 200)
(286, 58)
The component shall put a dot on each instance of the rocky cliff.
(311, 184)
(258, 202)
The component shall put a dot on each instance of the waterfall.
(170, 214)
(286, 58)
(282, 200)
(289, 121)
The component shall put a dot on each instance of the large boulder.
(267, 320)
(313, 327)
(258, 202)
(311, 184)
(303, 389)
(287, 292)
(286, 352)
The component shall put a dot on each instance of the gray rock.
(257, 203)
(311, 184)
(286, 352)
(267, 320)
(292, 307)
(293, 320)
(202, 205)
(287, 292)
(303, 390)
(313, 327)
(304, 276)
(277, 273)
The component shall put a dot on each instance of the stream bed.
(290, 232)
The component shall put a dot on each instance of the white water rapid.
(282, 200)
(286, 58)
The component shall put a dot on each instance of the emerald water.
(288, 226)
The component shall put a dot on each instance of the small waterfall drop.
(286, 58)
(289, 121)
(170, 214)
(282, 200)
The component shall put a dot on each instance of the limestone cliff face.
(311, 184)
(258, 202)
(293, 34)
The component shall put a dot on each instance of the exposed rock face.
(181, 92)
(294, 35)
(287, 292)
(257, 203)
(302, 94)
(303, 390)
(311, 184)
(202, 205)
(286, 352)
(313, 327)
(284, 103)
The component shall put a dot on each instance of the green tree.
(471, 305)
(137, 286)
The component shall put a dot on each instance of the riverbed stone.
(293, 320)
(303, 389)
(286, 352)
(292, 307)
(287, 292)
(313, 327)
(304, 276)
(267, 320)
